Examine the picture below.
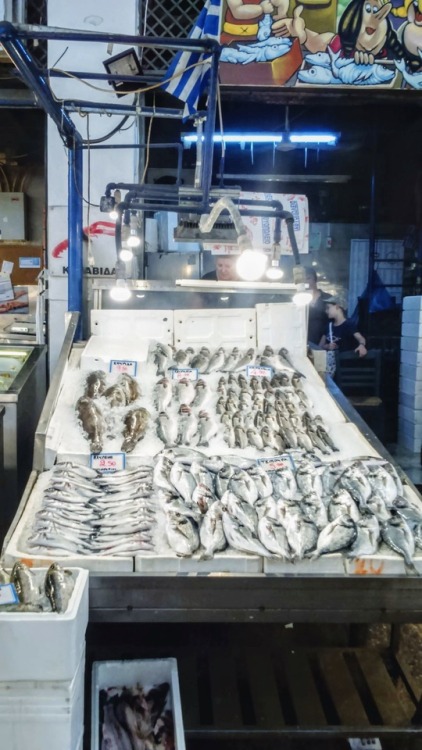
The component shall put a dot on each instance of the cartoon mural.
(334, 43)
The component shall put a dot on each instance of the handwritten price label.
(119, 366)
(106, 463)
(188, 373)
(8, 594)
(259, 372)
(274, 463)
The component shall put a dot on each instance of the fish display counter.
(215, 452)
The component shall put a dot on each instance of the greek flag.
(189, 82)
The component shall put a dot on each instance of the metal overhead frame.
(195, 201)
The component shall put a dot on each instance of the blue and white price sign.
(8, 594)
(106, 463)
(256, 371)
(127, 366)
(274, 463)
(186, 373)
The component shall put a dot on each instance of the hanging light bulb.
(251, 265)
(120, 292)
(126, 255)
(274, 272)
(117, 199)
(302, 296)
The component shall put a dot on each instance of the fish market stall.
(205, 449)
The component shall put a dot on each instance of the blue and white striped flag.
(189, 82)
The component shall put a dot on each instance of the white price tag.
(187, 373)
(108, 462)
(254, 371)
(370, 743)
(273, 463)
(128, 366)
(8, 594)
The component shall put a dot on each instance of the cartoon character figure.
(410, 32)
(242, 19)
(364, 32)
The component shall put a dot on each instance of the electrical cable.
(147, 151)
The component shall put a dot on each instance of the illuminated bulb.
(251, 265)
(274, 272)
(120, 292)
(114, 215)
(133, 240)
(126, 255)
(302, 297)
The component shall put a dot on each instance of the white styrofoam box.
(413, 315)
(18, 549)
(45, 645)
(43, 714)
(411, 357)
(145, 672)
(411, 401)
(139, 325)
(282, 325)
(324, 565)
(100, 350)
(411, 372)
(410, 330)
(412, 303)
(229, 561)
(408, 414)
(412, 387)
(385, 562)
(227, 328)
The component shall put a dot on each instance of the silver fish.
(232, 360)
(355, 481)
(342, 502)
(24, 582)
(182, 534)
(203, 497)
(337, 535)
(241, 538)
(83, 471)
(201, 475)
(187, 426)
(314, 509)
(254, 438)
(207, 428)
(217, 360)
(181, 358)
(92, 421)
(274, 538)
(136, 423)
(284, 483)
(368, 536)
(243, 486)
(174, 504)
(166, 429)
(200, 362)
(240, 437)
(261, 480)
(383, 484)
(95, 384)
(211, 532)
(308, 479)
(59, 585)
(183, 481)
(397, 535)
(163, 394)
(412, 514)
(222, 479)
(202, 394)
(185, 391)
(161, 360)
(244, 361)
(241, 510)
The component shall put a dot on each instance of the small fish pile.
(92, 414)
(85, 512)
(137, 718)
(302, 509)
(257, 412)
(52, 594)
(329, 68)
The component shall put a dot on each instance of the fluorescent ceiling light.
(328, 139)
(237, 138)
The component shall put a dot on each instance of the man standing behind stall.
(317, 316)
(225, 269)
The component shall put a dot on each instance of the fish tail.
(206, 555)
(411, 570)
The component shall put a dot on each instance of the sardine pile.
(137, 718)
(299, 510)
(262, 413)
(94, 410)
(87, 513)
(50, 594)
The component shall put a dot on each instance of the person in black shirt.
(341, 333)
(317, 315)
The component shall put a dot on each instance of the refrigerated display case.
(22, 394)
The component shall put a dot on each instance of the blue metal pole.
(75, 231)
